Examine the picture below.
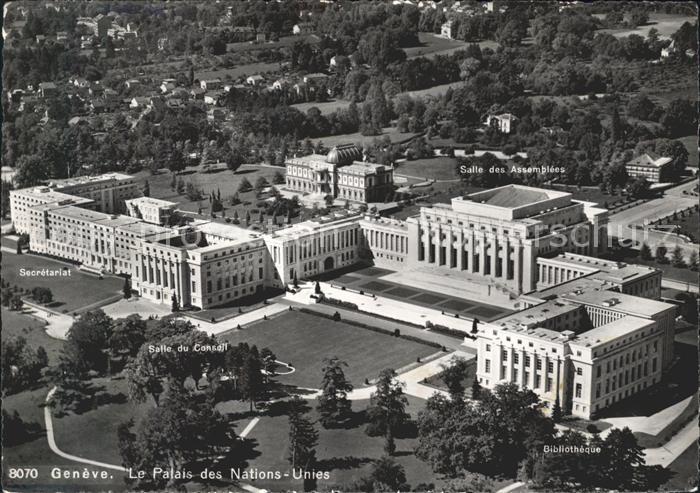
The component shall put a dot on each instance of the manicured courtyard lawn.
(70, 293)
(438, 168)
(32, 329)
(304, 340)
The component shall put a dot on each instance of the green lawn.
(432, 44)
(691, 143)
(229, 74)
(325, 107)
(689, 225)
(665, 24)
(304, 340)
(438, 168)
(79, 290)
(357, 138)
(32, 329)
(226, 182)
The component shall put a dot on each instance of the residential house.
(216, 114)
(140, 102)
(504, 122)
(446, 30)
(197, 93)
(167, 85)
(131, 83)
(212, 97)
(280, 84)
(210, 84)
(255, 80)
(315, 79)
(303, 28)
(47, 89)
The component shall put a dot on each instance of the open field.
(331, 106)
(32, 329)
(70, 293)
(283, 42)
(228, 74)
(225, 181)
(665, 24)
(439, 168)
(304, 340)
(324, 108)
(433, 44)
(357, 138)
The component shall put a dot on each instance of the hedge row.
(353, 306)
(395, 332)
(441, 329)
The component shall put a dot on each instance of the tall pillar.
(482, 254)
(460, 250)
(448, 249)
(494, 255)
(516, 267)
(470, 253)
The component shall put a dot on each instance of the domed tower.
(343, 155)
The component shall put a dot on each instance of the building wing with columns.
(496, 235)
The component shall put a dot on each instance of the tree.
(128, 335)
(556, 410)
(278, 178)
(660, 254)
(303, 437)
(126, 288)
(251, 381)
(387, 411)
(146, 189)
(388, 475)
(677, 258)
(317, 288)
(184, 433)
(333, 404)
(175, 304)
(260, 184)
(476, 389)
(21, 364)
(19, 248)
(295, 281)
(42, 295)
(87, 340)
(453, 375)
(645, 252)
(693, 261)
(489, 437)
(245, 186)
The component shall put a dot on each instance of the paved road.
(673, 200)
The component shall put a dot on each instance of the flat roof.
(611, 331)
(151, 201)
(228, 231)
(145, 229)
(361, 168)
(608, 269)
(533, 316)
(514, 196)
(82, 214)
(81, 180)
(621, 302)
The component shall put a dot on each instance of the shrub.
(397, 333)
(591, 428)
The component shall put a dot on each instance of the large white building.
(583, 341)
(341, 174)
(494, 236)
